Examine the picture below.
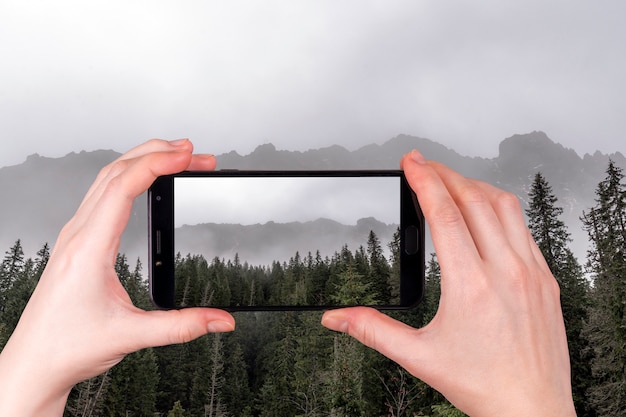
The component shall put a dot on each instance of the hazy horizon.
(231, 76)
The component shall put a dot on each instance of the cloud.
(232, 75)
(285, 199)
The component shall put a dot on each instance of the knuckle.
(116, 167)
(525, 280)
(155, 142)
(112, 175)
(518, 276)
(112, 170)
(470, 194)
(446, 216)
(553, 288)
(180, 331)
(508, 201)
(184, 336)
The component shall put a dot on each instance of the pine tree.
(419, 317)
(137, 288)
(177, 410)
(361, 262)
(547, 229)
(11, 267)
(276, 284)
(346, 286)
(553, 238)
(313, 343)
(86, 398)
(346, 377)
(379, 271)
(446, 410)
(214, 406)
(605, 224)
(236, 389)
(17, 282)
(176, 368)
(400, 392)
(41, 261)
(426, 310)
(394, 268)
(295, 289)
(131, 385)
(276, 392)
(217, 286)
(316, 279)
(352, 289)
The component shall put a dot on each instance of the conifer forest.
(286, 364)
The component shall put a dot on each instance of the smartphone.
(285, 240)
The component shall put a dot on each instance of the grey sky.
(230, 75)
(259, 200)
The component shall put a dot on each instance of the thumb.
(178, 326)
(392, 338)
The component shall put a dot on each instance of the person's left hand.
(80, 321)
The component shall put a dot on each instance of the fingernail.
(418, 157)
(219, 326)
(335, 322)
(178, 142)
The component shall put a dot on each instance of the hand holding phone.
(276, 240)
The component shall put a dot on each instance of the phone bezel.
(161, 262)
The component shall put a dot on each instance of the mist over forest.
(41, 194)
(280, 364)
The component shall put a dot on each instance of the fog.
(232, 75)
(249, 201)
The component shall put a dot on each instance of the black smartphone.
(285, 240)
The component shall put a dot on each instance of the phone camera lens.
(158, 198)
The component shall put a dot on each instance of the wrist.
(536, 406)
(27, 389)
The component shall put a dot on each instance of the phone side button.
(411, 242)
(158, 242)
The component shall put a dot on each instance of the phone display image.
(244, 240)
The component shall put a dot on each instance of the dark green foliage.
(379, 269)
(177, 410)
(130, 388)
(424, 397)
(363, 276)
(87, 397)
(18, 278)
(275, 364)
(445, 410)
(605, 224)
(286, 364)
(552, 237)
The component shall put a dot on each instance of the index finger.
(451, 237)
(112, 169)
(104, 213)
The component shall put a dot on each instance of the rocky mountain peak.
(41, 194)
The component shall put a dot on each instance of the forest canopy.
(287, 364)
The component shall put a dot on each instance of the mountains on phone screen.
(41, 194)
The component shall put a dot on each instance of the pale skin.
(496, 347)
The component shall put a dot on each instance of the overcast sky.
(231, 75)
(260, 200)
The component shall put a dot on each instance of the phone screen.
(267, 220)
(254, 242)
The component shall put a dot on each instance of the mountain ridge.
(41, 194)
(263, 243)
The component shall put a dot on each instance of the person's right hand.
(497, 345)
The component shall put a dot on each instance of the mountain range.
(41, 194)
